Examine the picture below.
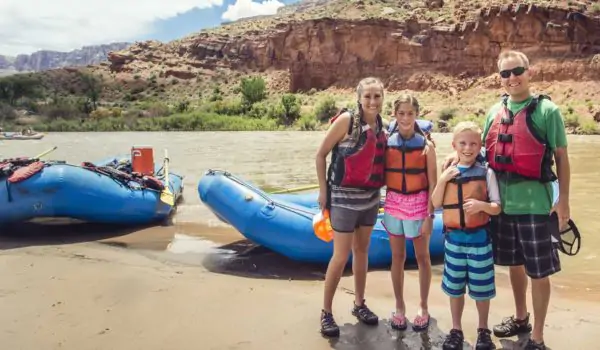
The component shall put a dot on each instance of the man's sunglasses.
(516, 71)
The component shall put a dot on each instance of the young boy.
(468, 194)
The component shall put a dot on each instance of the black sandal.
(364, 314)
(454, 340)
(329, 327)
(532, 345)
(510, 327)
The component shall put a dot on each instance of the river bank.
(90, 296)
(217, 122)
(276, 111)
(67, 295)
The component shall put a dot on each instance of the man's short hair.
(513, 54)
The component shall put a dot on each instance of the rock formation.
(44, 60)
(325, 52)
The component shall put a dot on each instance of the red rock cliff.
(324, 52)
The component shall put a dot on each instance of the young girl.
(351, 191)
(411, 176)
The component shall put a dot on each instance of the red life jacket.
(361, 163)
(514, 148)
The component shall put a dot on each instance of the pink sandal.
(398, 322)
(422, 326)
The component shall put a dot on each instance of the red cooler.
(142, 160)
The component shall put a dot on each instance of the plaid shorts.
(525, 240)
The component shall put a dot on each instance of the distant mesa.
(46, 59)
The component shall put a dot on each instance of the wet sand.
(209, 294)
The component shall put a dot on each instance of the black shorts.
(348, 220)
(525, 240)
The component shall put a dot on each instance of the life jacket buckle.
(506, 121)
(505, 138)
(503, 159)
(459, 180)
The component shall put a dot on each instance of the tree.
(253, 90)
(15, 87)
(92, 86)
(291, 108)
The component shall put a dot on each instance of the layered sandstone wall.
(325, 52)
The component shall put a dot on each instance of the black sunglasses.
(516, 71)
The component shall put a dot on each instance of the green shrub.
(325, 109)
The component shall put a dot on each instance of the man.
(521, 135)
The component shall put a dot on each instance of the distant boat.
(19, 136)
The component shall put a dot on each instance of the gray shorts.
(348, 220)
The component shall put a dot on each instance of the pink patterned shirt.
(407, 206)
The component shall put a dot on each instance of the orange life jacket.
(470, 184)
(405, 164)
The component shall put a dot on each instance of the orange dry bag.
(322, 226)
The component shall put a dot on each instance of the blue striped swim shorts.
(469, 264)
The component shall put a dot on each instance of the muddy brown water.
(274, 160)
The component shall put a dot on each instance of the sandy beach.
(96, 296)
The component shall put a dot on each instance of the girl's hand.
(426, 227)
(322, 199)
(449, 174)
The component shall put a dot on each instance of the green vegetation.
(46, 105)
(82, 101)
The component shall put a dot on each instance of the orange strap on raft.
(152, 182)
(146, 181)
(26, 172)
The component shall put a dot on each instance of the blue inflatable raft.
(97, 193)
(283, 223)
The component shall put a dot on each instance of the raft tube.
(283, 223)
(61, 190)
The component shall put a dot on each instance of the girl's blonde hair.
(360, 88)
(359, 91)
(410, 99)
(367, 81)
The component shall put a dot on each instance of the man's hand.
(563, 212)
(451, 160)
(564, 180)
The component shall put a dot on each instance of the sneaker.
(510, 326)
(454, 340)
(328, 326)
(364, 314)
(532, 345)
(484, 340)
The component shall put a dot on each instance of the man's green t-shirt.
(524, 196)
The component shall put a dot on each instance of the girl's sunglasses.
(516, 71)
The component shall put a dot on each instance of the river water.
(274, 160)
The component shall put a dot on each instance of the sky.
(27, 26)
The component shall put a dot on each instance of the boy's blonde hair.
(513, 54)
(466, 126)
